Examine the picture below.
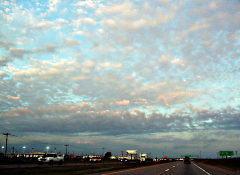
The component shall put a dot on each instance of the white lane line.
(167, 170)
(201, 169)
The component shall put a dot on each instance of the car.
(124, 160)
(50, 158)
(186, 160)
(95, 159)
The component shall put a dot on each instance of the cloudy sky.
(156, 76)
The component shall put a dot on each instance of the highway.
(171, 168)
(174, 168)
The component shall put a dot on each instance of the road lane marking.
(202, 169)
(115, 172)
(167, 170)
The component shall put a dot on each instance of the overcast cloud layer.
(156, 76)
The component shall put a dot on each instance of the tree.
(107, 155)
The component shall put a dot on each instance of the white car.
(95, 159)
(50, 158)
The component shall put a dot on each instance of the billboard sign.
(131, 152)
(226, 153)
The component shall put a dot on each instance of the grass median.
(229, 164)
(87, 169)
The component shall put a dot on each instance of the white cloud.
(53, 5)
(109, 22)
(164, 1)
(200, 25)
(80, 11)
(120, 8)
(7, 10)
(109, 64)
(71, 42)
(81, 77)
(8, 18)
(89, 64)
(176, 61)
(13, 98)
(1, 72)
(50, 71)
(87, 3)
(89, 21)
(64, 11)
(78, 32)
(122, 103)
(62, 21)
(45, 24)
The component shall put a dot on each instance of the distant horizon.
(74, 149)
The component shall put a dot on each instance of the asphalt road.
(171, 168)
(174, 168)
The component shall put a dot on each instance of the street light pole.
(24, 149)
(66, 148)
(13, 151)
(47, 149)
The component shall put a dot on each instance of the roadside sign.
(188, 155)
(226, 153)
(131, 151)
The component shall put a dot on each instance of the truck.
(143, 157)
(50, 158)
(186, 160)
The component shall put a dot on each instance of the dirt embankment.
(230, 164)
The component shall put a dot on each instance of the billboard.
(131, 152)
(226, 153)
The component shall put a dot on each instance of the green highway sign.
(226, 153)
(188, 155)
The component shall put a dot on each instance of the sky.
(159, 76)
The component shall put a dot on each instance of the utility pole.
(6, 134)
(122, 153)
(102, 152)
(66, 148)
(13, 150)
